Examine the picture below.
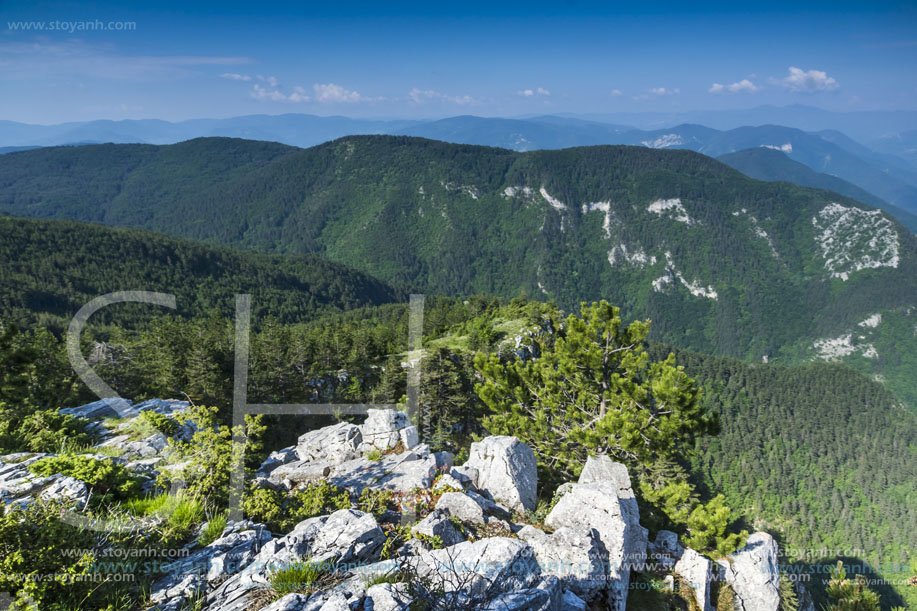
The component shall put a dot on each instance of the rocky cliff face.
(474, 546)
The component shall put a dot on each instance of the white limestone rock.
(506, 468)
(612, 511)
(754, 574)
(332, 444)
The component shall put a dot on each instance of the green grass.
(178, 514)
(213, 530)
(301, 576)
(378, 578)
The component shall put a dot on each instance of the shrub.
(375, 502)
(282, 511)
(105, 477)
(35, 543)
(210, 452)
(162, 423)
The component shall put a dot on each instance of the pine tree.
(850, 595)
(593, 391)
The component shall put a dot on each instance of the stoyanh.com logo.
(72, 27)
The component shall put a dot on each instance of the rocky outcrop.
(331, 445)
(607, 508)
(466, 552)
(19, 486)
(575, 555)
(344, 538)
(480, 571)
(754, 574)
(232, 552)
(384, 429)
(506, 468)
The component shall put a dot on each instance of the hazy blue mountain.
(767, 164)
(901, 144)
(865, 126)
(13, 149)
(294, 129)
(519, 135)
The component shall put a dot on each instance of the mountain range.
(886, 170)
(720, 262)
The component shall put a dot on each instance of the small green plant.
(214, 528)
(162, 423)
(106, 478)
(394, 538)
(374, 455)
(433, 541)
(850, 595)
(301, 577)
(375, 502)
(389, 577)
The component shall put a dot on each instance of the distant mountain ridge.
(881, 172)
(768, 164)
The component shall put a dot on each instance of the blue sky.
(378, 59)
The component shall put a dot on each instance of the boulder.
(401, 473)
(575, 555)
(300, 472)
(66, 488)
(97, 410)
(608, 509)
(546, 596)
(754, 574)
(506, 468)
(697, 572)
(276, 459)
(438, 524)
(334, 444)
(384, 429)
(461, 506)
(387, 597)
(346, 537)
(465, 474)
(233, 551)
(471, 574)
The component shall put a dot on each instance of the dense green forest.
(742, 268)
(52, 268)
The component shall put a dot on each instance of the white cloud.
(664, 91)
(270, 80)
(262, 93)
(528, 93)
(331, 93)
(743, 86)
(419, 96)
(299, 95)
(616, 92)
(808, 81)
(235, 77)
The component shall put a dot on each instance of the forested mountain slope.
(52, 268)
(721, 263)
